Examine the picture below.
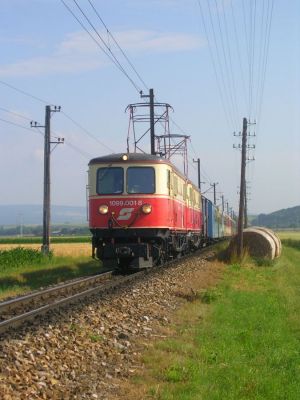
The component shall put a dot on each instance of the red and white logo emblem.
(125, 214)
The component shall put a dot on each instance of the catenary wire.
(228, 73)
(222, 72)
(87, 132)
(107, 52)
(117, 44)
(218, 80)
(228, 41)
(237, 42)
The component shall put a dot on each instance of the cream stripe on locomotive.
(168, 183)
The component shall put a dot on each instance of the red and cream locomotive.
(142, 210)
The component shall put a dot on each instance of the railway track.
(16, 312)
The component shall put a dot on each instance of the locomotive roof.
(114, 158)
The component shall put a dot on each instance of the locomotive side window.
(184, 191)
(175, 185)
(179, 187)
(191, 195)
(110, 180)
(140, 180)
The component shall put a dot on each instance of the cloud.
(159, 42)
(21, 40)
(78, 53)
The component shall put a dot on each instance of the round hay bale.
(274, 237)
(258, 243)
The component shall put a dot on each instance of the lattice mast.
(156, 120)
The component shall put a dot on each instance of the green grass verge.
(295, 235)
(240, 342)
(23, 270)
(38, 240)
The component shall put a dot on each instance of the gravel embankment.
(90, 351)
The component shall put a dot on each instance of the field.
(293, 235)
(237, 341)
(38, 240)
(58, 249)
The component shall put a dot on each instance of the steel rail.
(27, 316)
(12, 304)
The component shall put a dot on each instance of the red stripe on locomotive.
(126, 212)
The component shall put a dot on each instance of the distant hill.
(33, 215)
(285, 218)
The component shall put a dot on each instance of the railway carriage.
(214, 221)
(142, 210)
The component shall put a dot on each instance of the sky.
(214, 61)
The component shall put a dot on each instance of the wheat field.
(59, 249)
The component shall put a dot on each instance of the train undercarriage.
(134, 249)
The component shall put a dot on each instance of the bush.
(20, 256)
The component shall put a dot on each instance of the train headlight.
(146, 208)
(103, 209)
(124, 157)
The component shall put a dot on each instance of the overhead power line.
(24, 93)
(17, 125)
(15, 114)
(87, 132)
(117, 44)
(108, 51)
(238, 44)
(228, 71)
(71, 145)
(84, 130)
(218, 76)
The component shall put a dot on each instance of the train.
(143, 212)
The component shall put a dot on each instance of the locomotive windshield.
(140, 180)
(110, 180)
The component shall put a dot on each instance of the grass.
(237, 341)
(23, 270)
(290, 238)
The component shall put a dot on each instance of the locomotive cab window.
(110, 180)
(140, 180)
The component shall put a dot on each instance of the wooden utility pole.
(242, 190)
(215, 194)
(199, 173)
(46, 203)
(246, 208)
(46, 198)
(223, 203)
